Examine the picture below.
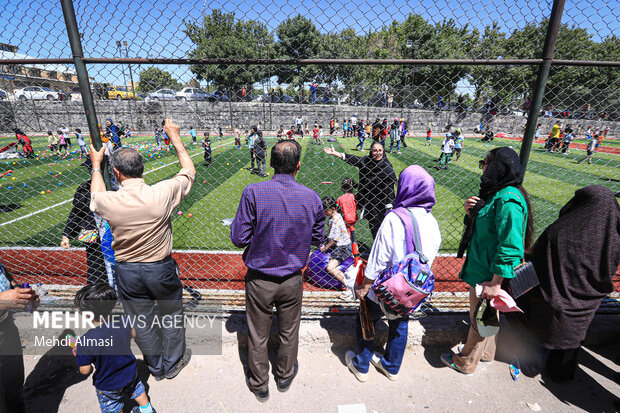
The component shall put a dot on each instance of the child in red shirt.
(347, 205)
(315, 134)
(291, 134)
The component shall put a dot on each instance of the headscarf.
(416, 188)
(502, 170)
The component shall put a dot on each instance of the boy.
(260, 149)
(395, 135)
(458, 144)
(219, 131)
(361, 137)
(81, 142)
(107, 346)
(590, 150)
(158, 133)
(206, 145)
(446, 152)
(315, 134)
(338, 237)
(280, 133)
(291, 134)
(428, 137)
(237, 134)
(192, 132)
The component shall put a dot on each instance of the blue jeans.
(394, 349)
(112, 401)
(361, 144)
(397, 145)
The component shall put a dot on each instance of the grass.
(551, 179)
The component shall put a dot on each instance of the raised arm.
(97, 184)
(174, 133)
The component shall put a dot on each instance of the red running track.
(199, 270)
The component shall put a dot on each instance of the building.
(15, 76)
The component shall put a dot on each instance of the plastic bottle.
(29, 305)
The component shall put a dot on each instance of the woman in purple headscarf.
(416, 193)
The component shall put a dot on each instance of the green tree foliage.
(298, 39)
(153, 78)
(221, 35)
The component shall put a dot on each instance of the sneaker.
(180, 364)
(348, 358)
(438, 168)
(136, 409)
(159, 378)
(459, 348)
(446, 359)
(398, 152)
(261, 395)
(284, 385)
(376, 361)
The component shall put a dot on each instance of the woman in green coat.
(499, 226)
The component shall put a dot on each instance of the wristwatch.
(95, 170)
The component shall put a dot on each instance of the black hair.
(49, 132)
(78, 130)
(128, 162)
(285, 155)
(98, 298)
(348, 185)
(329, 203)
(191, 127)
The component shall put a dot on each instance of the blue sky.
(153, 27)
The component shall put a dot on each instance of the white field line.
(69, 200)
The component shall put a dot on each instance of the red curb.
(199, 270)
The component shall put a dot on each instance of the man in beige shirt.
(139, 217)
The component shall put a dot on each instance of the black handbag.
(524, 280)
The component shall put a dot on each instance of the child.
(361, 137)
(250, 140)
(590, 150)
(537, 134)
(428, 136)
(158, 134)
(567, 139)
(348, 206)
(52, 141)
(237, 134)
(116, 372)
(315, 134)
(206, 145)
(62, 142)
(291, 133)
(192, 132)
(458, 144)
(280, 133)
(219, 131)
(81, 142)
(446, 152)
(321, 134)
(395, 135)
(65, 132)
(337, 237)
(260, 152)
(127, 132)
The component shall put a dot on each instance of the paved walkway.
(216, 384)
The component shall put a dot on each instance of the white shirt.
(389, 246)
(448, 144)
(299, 121)
(353, 119)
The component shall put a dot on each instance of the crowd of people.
(561, 136)
(279, 220)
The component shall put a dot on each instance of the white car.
(35, 93)
(163, 94)
(191, 93)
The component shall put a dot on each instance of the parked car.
(192, 93)
(118, 93)
(4, 95)
(35, 93)
(162, 94)
(217, 96)
(275, 98)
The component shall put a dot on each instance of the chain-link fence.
(335, 73)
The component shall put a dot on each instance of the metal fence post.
(541, 81)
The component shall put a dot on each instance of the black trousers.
(141, 284)
(262, 293)
(11, 368)
(95, 264)
(375, 218)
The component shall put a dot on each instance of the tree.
(298, 39)
(222, 35)
(153, 78)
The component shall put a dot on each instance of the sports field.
(33, 217)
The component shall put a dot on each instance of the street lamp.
(120, 54)
(133, 89)
(413, 44)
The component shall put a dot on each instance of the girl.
(337, 237)
(315, 134)
(81, 142)
(62, 143)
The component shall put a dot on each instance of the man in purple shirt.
(276, 222)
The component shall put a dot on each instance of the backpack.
(402, 288)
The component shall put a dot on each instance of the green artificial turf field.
(29, 218)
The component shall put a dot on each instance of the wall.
(40, 116)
